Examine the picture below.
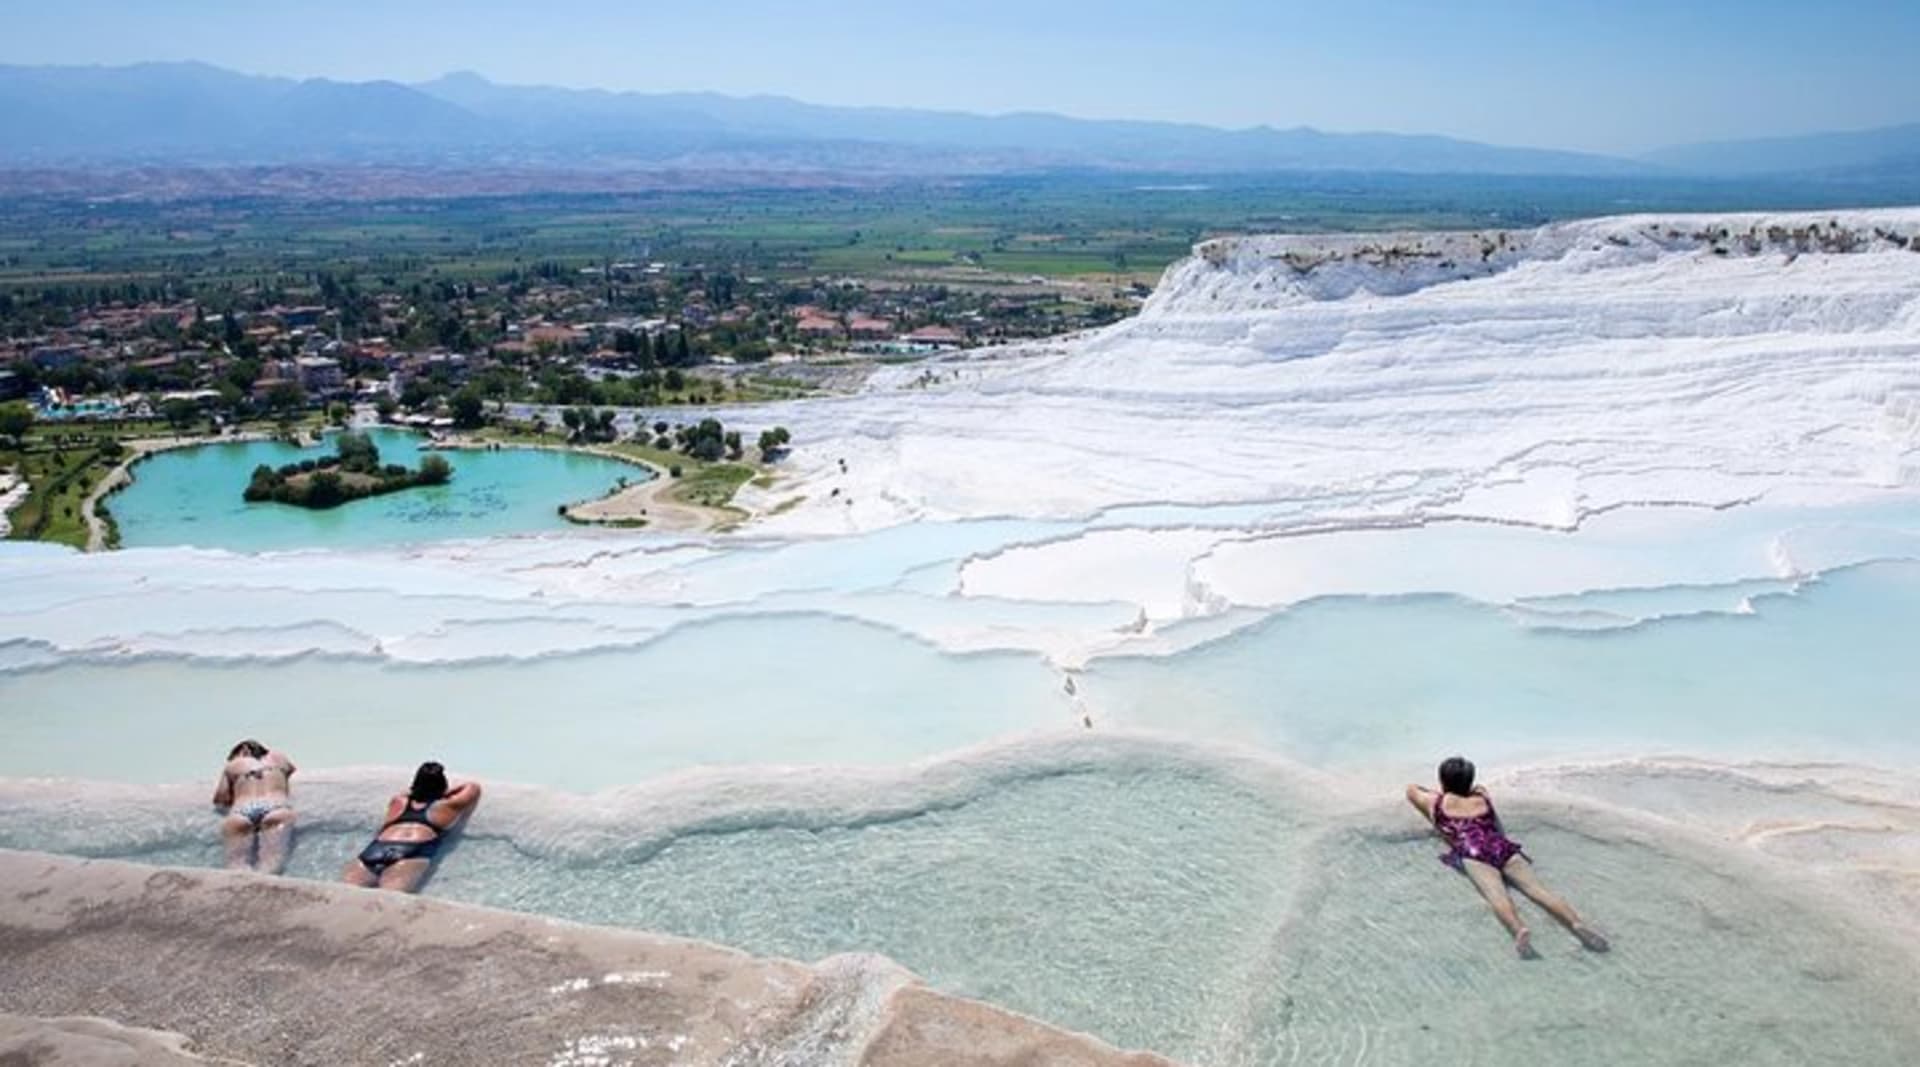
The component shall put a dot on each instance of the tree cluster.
(353, 472)
(587, 426)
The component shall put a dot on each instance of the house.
(868, 327)
(817, 326)
(938, 336)
(301, 317)
(264, 387)
(560, 337)
(319, 375)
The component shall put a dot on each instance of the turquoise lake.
(191, 496)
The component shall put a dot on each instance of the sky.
(1617, 77)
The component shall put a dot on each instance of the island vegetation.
(353, 472)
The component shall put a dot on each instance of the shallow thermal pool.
(805, 747)
(1175, 878)
(1220, 913)
(1824, 672)
(191, 496)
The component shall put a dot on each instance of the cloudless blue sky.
(1617, 76)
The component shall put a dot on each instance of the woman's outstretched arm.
(1422, 800)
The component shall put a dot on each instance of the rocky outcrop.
(241, 968)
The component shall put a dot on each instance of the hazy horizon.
(1617, 79)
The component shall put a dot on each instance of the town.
(612, 334)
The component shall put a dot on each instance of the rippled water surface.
(1827, 672)
(1236, 922)
(765, 745)
(780, 690)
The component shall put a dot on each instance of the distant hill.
(1885, 152)
(199, 114)
(175, 111)
(1028, 137)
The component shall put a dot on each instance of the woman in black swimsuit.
(402, 852)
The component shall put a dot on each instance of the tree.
(707, 441)
(231, 396)
(417, 393)
(469, 410)
(264, 481)
(179, 412)
(358, 453)
(435, 470)
(571, 418)
(286, 396)
(734, 448)
(325, 489)
(338, 413)
(387, 407)
(15, 420)
(773, 442)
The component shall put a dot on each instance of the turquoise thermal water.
(782, 689)
(1359, 685)
(1222, 910)
(1223, 919)
(1824, 673)
(191, 496)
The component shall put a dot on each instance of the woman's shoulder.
(1477, 803)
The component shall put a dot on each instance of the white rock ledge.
(197, 966)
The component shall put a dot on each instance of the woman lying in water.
(1480, 848)
(255, 793)
(402, 851)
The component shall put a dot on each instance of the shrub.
(325, 490)
(435, 470)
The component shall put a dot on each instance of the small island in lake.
(354, 472)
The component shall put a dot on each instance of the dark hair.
(429, 783)
(249, 747)
(1456, 775)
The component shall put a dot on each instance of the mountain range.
(196, 114)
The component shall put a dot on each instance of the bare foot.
(1591, 939)
(1523, 944)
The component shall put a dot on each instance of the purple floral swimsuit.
(1476, 837)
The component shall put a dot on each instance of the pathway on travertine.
(648, 500)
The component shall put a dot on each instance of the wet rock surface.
(259, 970)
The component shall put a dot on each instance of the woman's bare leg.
(276, 840)
(405, 876)
(356, 873)
(1521, 874)
(236, 836)
(1494, 889)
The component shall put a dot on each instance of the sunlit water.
(1824, 673)
(1216, 869)
(1229, 922)
(192, 496)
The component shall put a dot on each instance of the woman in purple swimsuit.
(1480, 848)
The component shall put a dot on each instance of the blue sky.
(1618, 76)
